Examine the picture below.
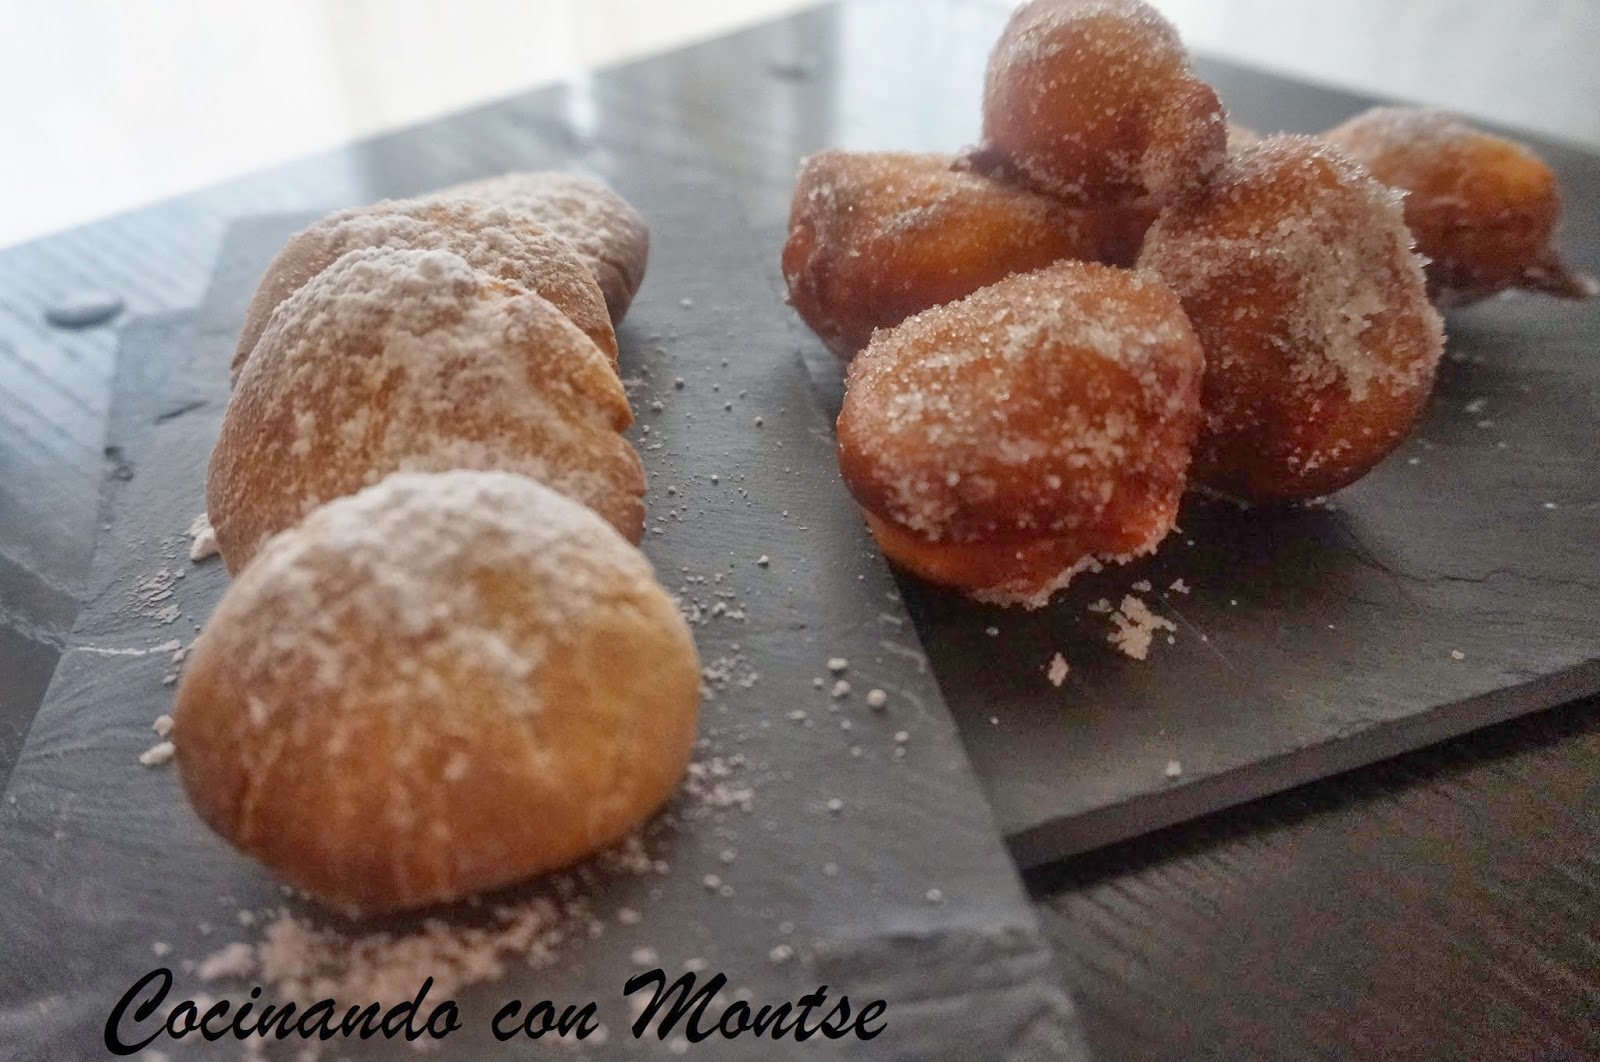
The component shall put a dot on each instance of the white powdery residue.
(202, 539)
(1135, 626)
(234, 961)
(159, 753)
(164, 647)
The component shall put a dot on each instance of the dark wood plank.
(1441, 905)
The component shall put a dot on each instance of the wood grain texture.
(1441, 905)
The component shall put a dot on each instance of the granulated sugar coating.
(1095, 101)
(1484, 210)
(1002, 443)
(1134, 627)
(877, 236)
(1296, 269)
(609, 235)
(411, 696)
(506, 245)
(400, 360)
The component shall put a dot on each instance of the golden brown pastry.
(1483, 210)
(1095, 101)
(505, 244)
(413, 695)
(610, 235)
(401, 360)
(1005, 442)
(1295, 267)
(877, 236)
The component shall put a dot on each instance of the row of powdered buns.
(409, 693)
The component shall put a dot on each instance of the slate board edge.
(1042, 845)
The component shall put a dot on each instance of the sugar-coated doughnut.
(877, 236)
(1296, 269)
(1484, 210)
(414, 694)
(1002, 443)
(1241, 137)
(401, 360)
(1096, 101)
(611, 236)
(506, 244)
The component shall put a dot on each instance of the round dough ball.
(610, 235)
(1296, 269)
(1483, 210)
(1002, 443)
(875, 237)
(505, 244)
(400, 360)
(1095, 101)
(414, 695)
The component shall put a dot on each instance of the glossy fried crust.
(1484, 210)
(611, 236)
(1295, 268)
(508, 246)
(400, 360)
(1002, 442)
(413, 695)
(875, 237)
(1095, 101)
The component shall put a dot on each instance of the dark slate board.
(105, 858)
(1320, 638)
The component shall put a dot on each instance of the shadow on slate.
(105, 857)
(1319, 638)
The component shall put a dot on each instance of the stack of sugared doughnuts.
(1020, 405)
(409, 693)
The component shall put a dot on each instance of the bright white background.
(110, 104)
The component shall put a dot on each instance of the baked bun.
(1296, 269)
(414, 694)
(401, 360)
(1002, 443)
(505, 244)
(1095, 101)
(610, 235)
(875, 237)
(1483, 209)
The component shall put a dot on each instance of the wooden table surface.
(1441, 905)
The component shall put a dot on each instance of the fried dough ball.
(1484, 210)
(875, 237)
(413, 695)
(1296, 269)
(400, 360)
(502, 243)
(1005, 442)
(610, 235)
(1095, 101)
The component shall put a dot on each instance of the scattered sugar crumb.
(159, 753)
(645, 957)
(934, 896)
(1058, 670)
(1143, 586)
(1179, 587)
(902, 736)
(835, 805)
(877, 699)
(236, 960)
(763, 560)
(1457, 654)
(838, 665)
(1136, 626)
(841, 689)
(1174, 769)
(780, 954)
(163, 725)
(202, 539)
